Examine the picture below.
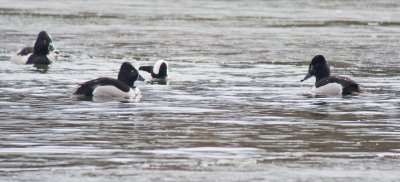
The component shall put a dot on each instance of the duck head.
(43, 44)
(318, 68)
(128, 74)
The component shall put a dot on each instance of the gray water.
(234, 109)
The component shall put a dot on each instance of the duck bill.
(140, 78)
(52, 49)
(306, 77)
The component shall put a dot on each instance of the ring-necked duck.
(327, 84)
(158, 73)
(110, 87)
(43, 52)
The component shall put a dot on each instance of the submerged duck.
(43, 52)
(109, 87)
(327, 84)
(158, 73)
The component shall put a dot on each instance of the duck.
(42, 53)
(327, 84)
(123, 87)
(158, 72)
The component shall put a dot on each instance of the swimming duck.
(327, 84)
(158, 73)
(122, 87)
(43, 52)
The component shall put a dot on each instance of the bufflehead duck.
(327, 84)
(158, 72)
(122, 87)
(43, 52)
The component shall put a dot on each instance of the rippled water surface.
(234, 109)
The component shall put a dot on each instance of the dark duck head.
(128, 74)
(43, 46)
(318, 68)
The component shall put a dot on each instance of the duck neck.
(40, 49)
(322, 74)
(125, 79)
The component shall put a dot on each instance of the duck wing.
(148, 69)
(25, 51)
(87, 88)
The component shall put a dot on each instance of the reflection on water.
(234, 108)
(41, 68)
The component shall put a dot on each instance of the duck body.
(22, 56)
(122, 87)
(41, 59)
(326, 84)
(107, 87)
